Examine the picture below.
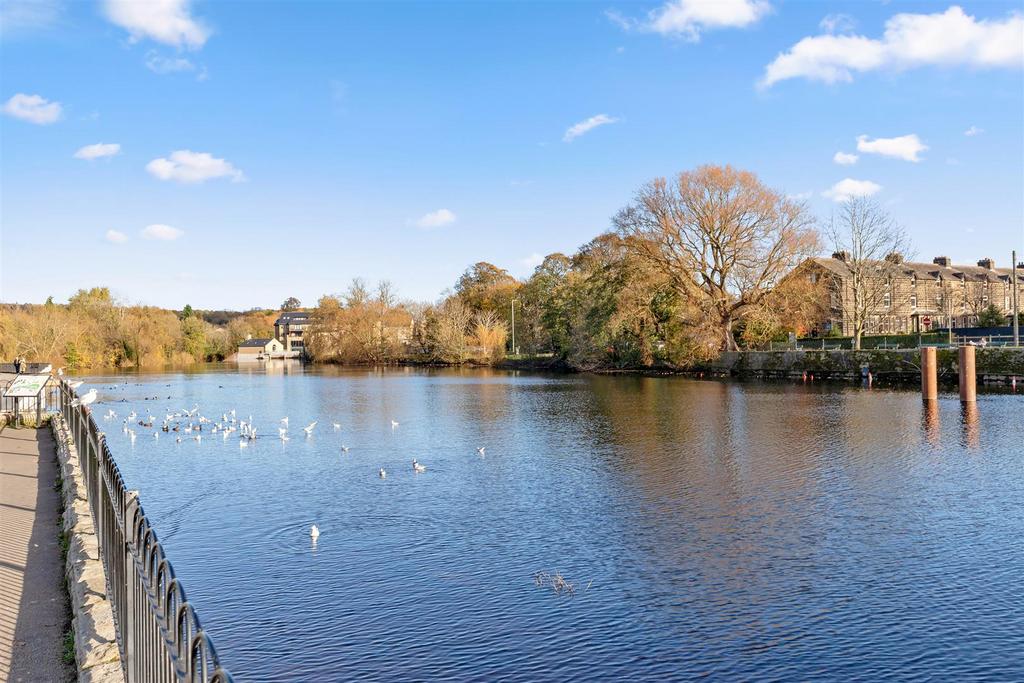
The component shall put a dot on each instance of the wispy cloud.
(186, 166)
(688, 19)
(33, 108)
(848, 188)
(973, 130)
(26, 15)
(950, 38)
(116, 237)
(435, 219)
(533, 260)
(837, 23)
(98, 151)
(165, 21)
(845, 158)
(584, 127)
(161, 232)
(159, 64)
(906, 147)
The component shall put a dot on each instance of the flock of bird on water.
(175, 422)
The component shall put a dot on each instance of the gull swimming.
(337, 426)
(481, 450)
(418, 468)
(314, 532)
(309, 429)
(393, 424)
(344, 448)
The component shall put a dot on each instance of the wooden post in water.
(968, 384)
(929, 374)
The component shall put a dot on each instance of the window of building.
(913, 301)
(887, 300)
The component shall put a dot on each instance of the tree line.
(694, 265)
(691, 267)
(94, 330)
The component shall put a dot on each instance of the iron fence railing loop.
(158, 631)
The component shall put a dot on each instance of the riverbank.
(993, 365)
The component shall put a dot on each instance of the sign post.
(27, 386)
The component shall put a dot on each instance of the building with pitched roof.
(916, 296)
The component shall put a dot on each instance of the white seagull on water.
(314, 532)
(418, 468)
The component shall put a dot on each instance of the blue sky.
(281, 149)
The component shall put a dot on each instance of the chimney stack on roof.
(942, 261)
(843, 256)
(894, 257)
(987, 264)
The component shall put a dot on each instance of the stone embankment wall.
(996, 365)
(96, 652)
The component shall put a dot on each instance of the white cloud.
(116, 237)
(845, 158)
(906, 147)
(533, 260)
(973, 130)
(837, 23)
(161, 232)
(16, 15)
(165, 21)
(584, 127)
(950, 38)
(186, 166)
(159, 64)
(97, 151)
(688, 18)
(799, 196)
(32, 108)
(435, 219)
(848, 188)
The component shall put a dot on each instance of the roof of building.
(293, 317)
(256, 342)
(931, 271)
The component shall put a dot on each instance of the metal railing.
(158, 632)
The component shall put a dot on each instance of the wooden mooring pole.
(968, 383)
(929, 374)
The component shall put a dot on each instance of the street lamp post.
(513, 327)
(1016, 302)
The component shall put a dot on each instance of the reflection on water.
(730, 531)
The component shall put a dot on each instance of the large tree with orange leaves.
(722, 237)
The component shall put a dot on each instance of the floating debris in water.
(558, 583)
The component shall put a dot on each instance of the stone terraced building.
(916, 296)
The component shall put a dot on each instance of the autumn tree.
(485, 288)
(721, 237)
(446, 328)
(489, 335)
(872, 247)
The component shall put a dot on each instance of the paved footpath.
(33, 602)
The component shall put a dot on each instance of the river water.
(711, 530)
